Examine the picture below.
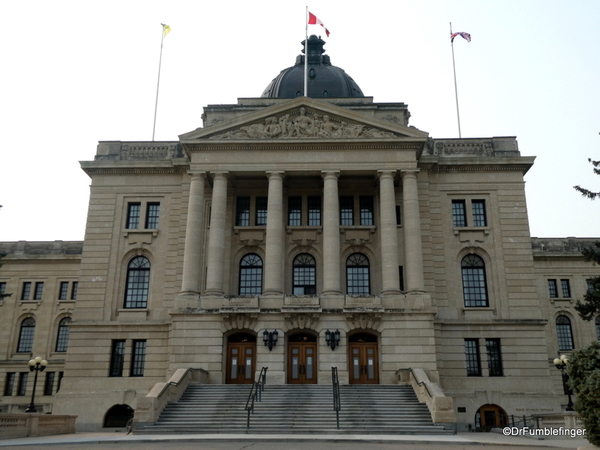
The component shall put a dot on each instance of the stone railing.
(430, 393)
(149, 408)
(24, 425)
(567, 420)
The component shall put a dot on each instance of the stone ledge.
(25, 425)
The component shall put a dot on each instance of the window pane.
(62, 338)
(251, 275)
(39, 288)
(74, 290)
(314, 211)
(26, 336)
(479, 219)
(261, 211)
(242, 215)
(49, 383)
(9, 384)
(138, 358)
(347, 211)
(304, 275)
(357, 275)
(138, 282)
(133, 215)
(474, 282)
(26, 290)
(472, 358)
(459, 213)
(22, 389)
(564, 333)
(552, 289)
(566, 288)
(366, 210)
(117, 357)
(494, 357)
(294, 211)
(152, 215)
(64, 290)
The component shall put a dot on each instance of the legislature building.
(324, 226)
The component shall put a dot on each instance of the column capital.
(409, 173)
(330, 173)
(220, 174)
(275, 173)
(196, 175)
(386, 173)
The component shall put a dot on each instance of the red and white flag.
(314, 20)
(462, 34)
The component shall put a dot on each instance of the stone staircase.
(365, 409)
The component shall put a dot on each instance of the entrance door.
(302, 359)
(364, 367)
(491, 416)
(241, 359)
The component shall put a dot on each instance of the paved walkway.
(485, 439)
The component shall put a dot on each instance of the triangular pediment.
(306, 119)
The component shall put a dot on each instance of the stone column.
(389, 233)
(331, 234)
(274, 240)
(216, 238)
(192, 254)
(413, 247)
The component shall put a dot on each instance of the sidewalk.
(458, 439)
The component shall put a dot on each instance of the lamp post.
(270, 338)
(561, 364)
(38, 365)
(332, 338)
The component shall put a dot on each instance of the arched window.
(305, 275)
(138, 282)
(598, 328)
(251, 269)
(62, 338)
(564, 333)
(26, 335)
(358, 275)
(474, 284)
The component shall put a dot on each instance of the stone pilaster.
(412, 233)
(389, 234)
(274, 237)
(216, 239)
(331, 234)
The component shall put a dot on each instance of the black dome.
(324, 80)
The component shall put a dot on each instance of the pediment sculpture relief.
(304, 124)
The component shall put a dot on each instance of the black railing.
(336, 395)
(255, 394)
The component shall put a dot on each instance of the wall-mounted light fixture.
(332, 339)
(270, 338)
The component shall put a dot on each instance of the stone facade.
(300, 216)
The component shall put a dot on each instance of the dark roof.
(324, 80)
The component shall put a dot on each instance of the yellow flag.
(166, 29)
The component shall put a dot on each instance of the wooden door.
(241, 362)
(492, 416)
(364, 367)
(302, 363)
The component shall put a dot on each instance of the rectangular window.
(494, 357)
(39, 288)
(294, 211)
(347, 211)
(261, 211)
(472, 357)
(74, 290)
(22, 388)
(242, 212)
(566, 288)
(152, 215)
(401, 277)
(459, 213)
(133, 215)
(366, 210)
(478, 207)
(314, 211)
(117, 357)
(49, 383)
(26, 290)
(2, 288)
(9, 384)
(398, 215)
(60, 377)
(138, 358)
(64, 290)
(552, 289)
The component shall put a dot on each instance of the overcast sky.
(78, 72)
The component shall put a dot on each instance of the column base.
(332, 300)
(211, 300)
(186, 301)
(418, 300)
(271, 300)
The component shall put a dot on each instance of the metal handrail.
(255, 393)
(336, 395)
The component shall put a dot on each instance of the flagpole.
(305, 53)
(158, 82)
(455, 85)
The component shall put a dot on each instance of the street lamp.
(38, 364)
(561, 364)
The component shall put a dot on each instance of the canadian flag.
(314, 20)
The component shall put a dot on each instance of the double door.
(241, 362)
(302, 367)
(363, 363)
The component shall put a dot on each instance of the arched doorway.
(241, 358)
(118, 416)
(490, 416)
(302, 359)
(364, 364)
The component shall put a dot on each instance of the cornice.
(304, 145)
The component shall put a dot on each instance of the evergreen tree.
(585, 192)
